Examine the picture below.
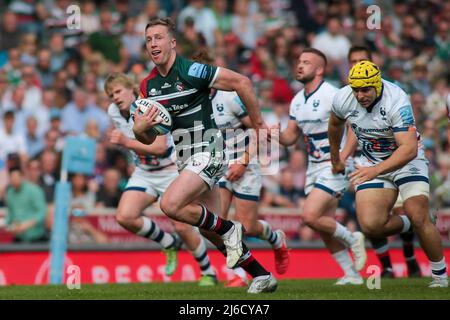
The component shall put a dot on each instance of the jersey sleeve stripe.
(214, 78)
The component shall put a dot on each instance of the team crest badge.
(179, 85)
(316, 104)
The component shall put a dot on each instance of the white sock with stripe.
(201, 256)
(150, 230)
(270, 235)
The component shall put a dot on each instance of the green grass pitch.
(287, 290)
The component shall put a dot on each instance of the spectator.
(419, 80)
(26, 209)
(132, 41)
(90, 21)
(33, 171)
(204, 21)
(109, 193)
(59, 54)
(78, 112)
(33, 93)
(105, 41)
(11, 142)
(223, 18)
(245, 24)
(43, 67)
(33, 140)
(50, 174)
(83, 193)
(28, 48)
(9, 31)
(335, 46)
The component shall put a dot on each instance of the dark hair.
(318, 53)
(167, 22)
(8, 114)
(357, 49)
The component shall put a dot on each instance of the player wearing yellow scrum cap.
(365, 80)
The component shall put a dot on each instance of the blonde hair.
(122, 79)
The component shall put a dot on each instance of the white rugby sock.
(150, 230)
(269, 235)
(345, 261)
(201, 256)
(406, 223)
(439, 268)
(343, 234)
(241, 273)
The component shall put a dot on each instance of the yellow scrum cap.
(365, 74)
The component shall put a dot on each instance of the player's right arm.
(143, 123)
(335, 132)
(157, 148)
(290, 135)
(351, 144)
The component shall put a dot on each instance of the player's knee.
(169, 206)
(310, 219)
(371, 231)
(122, 219)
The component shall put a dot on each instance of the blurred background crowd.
(52, 76)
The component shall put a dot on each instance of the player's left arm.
(229, 80)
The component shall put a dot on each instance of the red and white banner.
(27, 268)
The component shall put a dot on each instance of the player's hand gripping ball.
(165, 120)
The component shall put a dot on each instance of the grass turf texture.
(287, 290)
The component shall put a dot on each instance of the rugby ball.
(162, 128)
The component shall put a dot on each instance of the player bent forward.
(381, 116)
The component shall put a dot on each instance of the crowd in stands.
(52, 75)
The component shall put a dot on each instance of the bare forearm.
(288, 138)
(143, 148)
(351, 144)
(144, 138)
(397, 160)
(335, 132)
(248, 96)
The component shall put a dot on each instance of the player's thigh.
(373, 206)
(187, 187)
(133, 203)
(317, 203)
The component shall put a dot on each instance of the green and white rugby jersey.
(184, 92)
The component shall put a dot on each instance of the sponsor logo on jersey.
(154, 92)
(414, 170)
(354, 114)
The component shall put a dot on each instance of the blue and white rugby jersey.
(375, 127)
(146, 162)
(312, 113)
(228, 111)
